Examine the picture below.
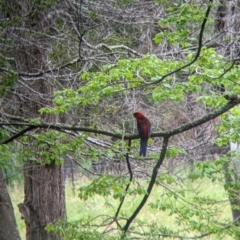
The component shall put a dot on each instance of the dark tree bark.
(44, 198)
(44, 201)
(8, 225)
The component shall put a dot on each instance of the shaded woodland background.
(71, 75)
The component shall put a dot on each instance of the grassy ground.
(79, 209)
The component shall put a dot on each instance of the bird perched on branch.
(144, 130)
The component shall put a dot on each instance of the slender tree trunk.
(233, 194)
(228, 22)
(8, 225)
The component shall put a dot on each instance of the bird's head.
(138, 115)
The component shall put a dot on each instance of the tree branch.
(21, 133)
(151, 184)
(130, 180)
(200, 40)
(233, 101)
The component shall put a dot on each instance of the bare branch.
(130, 180)
(151, 184)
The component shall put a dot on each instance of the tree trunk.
(44, 200)
(8, 226)
(233, 194)
(228, 22)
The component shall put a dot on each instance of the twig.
(130, 180)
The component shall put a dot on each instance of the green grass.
(17, 196)
(79, 209)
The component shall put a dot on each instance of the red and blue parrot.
(144, 130)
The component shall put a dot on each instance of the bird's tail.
(143, 147)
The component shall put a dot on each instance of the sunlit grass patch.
(169, 209)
